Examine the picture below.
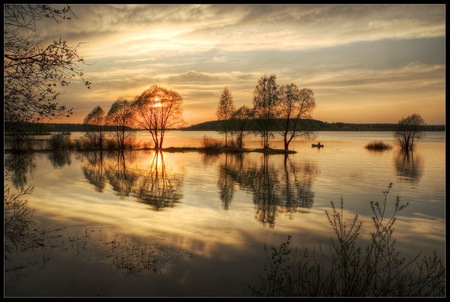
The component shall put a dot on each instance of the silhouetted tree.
(94, 122)
(120, 115)
(240, 120)
(294, 105)
(33, 72)
(265, 102)
(224, 112)
(409, 130)
(158, 110)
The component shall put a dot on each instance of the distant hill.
(316, 125)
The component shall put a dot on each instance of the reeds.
(348, 270)
(378, 146)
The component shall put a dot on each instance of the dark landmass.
(316, 125)
(47, 128)
(305, 125)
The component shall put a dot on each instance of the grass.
(378, 146)
(378, 270)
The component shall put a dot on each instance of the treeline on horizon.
(305, 124)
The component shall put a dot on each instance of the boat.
(317, 145)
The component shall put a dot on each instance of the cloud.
(343, 52)
(192, 76)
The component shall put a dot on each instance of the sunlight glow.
(157, 103)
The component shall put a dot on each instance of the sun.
(157, 103)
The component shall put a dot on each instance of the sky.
(366, 63)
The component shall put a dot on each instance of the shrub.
(112, 144)
(211, 144)
(350, 271)
(378, 146)
(60, 142)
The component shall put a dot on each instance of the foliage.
(350, 271)
(120, 115)
(19, 139)
(265, 102)
(378, 146)
(294, 105)
(59, 142)
(33, 72)
(241, 119)
(94, 123)
(158, 110)
(224, 112)
(408, 130)
(211, 144)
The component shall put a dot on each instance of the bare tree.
(265, 102)
(120, 115)
(33, 72)
(158, 110)
(409, 130)
(241, 119)
(93, 124)
(224, 113)
(294, 105)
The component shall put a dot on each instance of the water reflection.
(158, 188)
(121, 180)
(227, 177)
(60, 158)
(93, 170)
(153, 185)
(276, 187)
(20, 164)
(408, 165)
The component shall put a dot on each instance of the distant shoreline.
(305, 125)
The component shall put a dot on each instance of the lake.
(188, 224)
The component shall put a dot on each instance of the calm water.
(190, 224)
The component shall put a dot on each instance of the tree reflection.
(227, 177)
(409, 165)
(276, 187)
(298, 179)
(158, 188)
(121, 179)
(93, 171)
(59, 158)
(154, 185)
(266, 192)
(20, 164)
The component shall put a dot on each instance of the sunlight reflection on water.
(219, 210)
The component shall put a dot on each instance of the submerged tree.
(93, 123)
(120, 115)
(158, 110)
(32, 71)
(224, 113)
(265, 102)
(409, 130)
(294, 105)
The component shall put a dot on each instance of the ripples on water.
(192, 224)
